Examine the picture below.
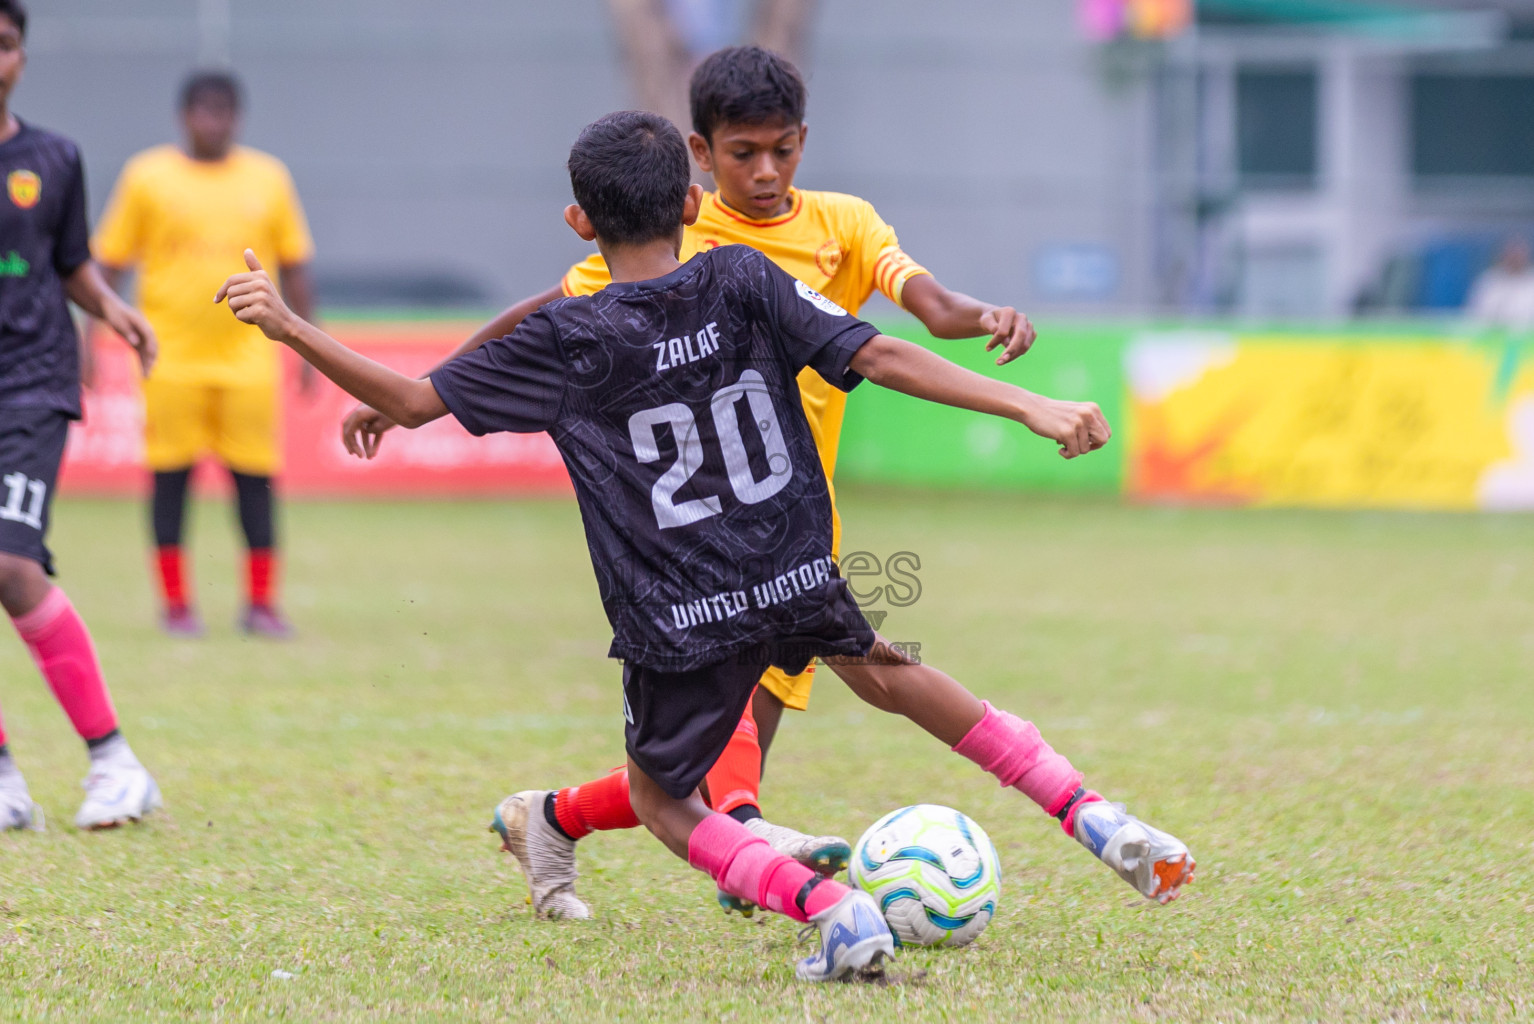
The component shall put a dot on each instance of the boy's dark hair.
(745, 85)
(17, 12)
(629, 173)
(201, 85)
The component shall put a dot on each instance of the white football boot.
(824, 855)
(118, 789)
(853, 935)
(16, 807)
(1158, 865)
(547, 858)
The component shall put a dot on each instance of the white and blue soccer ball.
(933, 872)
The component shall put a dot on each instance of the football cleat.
(853, 935)
(183, 623)
(824, 855)
(263, 620)
(1158, 865)
(17, 811)
(547, 858)
(116, 792)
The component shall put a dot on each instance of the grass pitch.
(1333, 709)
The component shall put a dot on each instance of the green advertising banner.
(891, 438)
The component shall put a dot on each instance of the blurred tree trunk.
(658, 60)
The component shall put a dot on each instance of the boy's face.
(210, 124)
(13, 57)
(753, 165)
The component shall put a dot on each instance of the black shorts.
(31, 448)
(678, 723)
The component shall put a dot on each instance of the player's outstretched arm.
(88, 289)
(1078, 427)
(254, 299)
(364, 427)
(950, 314)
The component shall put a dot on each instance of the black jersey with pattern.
(43, 239)
(674, 404)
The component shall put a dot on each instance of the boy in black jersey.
(44, 261)
(671, 395)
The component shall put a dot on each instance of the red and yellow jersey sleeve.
(878, 253)
(587, 277)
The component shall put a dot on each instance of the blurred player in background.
(44, 258)
(176, 215)
(1503, 296)
(749, 133)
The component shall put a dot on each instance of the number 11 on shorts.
(18, 488)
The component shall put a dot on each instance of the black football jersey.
(675, 406)
(43, 239)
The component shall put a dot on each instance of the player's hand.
(363, 429)
(1010, 331)
(135, 330)
(1077, 427)
(254, 299)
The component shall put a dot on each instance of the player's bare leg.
(1155, 863)
(853, 933)
(767, 709)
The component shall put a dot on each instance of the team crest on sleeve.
(25, 188)
(818, 300)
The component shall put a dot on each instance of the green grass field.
(1334, 710)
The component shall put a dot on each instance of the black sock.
(804, 893)
(5, 750)
(99, 740)
(168, 507)
(552, 818)
(745, 812)
(253, 499)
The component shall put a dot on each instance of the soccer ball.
(934, 873)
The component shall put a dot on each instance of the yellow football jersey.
(184, 224)
(835, 243)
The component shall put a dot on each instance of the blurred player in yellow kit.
(176, 215)
(749, 134)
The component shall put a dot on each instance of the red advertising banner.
(106, 450)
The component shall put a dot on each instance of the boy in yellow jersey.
(749, 132)
(175, 215)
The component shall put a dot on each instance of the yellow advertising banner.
(1345, 422)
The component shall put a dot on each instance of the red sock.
(598, 806)
(61, 647)
(261, 566)
(172, 577)
(745, 866)
(736, 778)
(2, 732)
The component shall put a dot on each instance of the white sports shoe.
(117, 791)
(853, 935)
(16, 807)
(824, 855)
(1157, 864)
(547, 858)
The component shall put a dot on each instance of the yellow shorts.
(183, 422)
(794, 691)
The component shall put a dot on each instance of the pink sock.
(746, 866)
(57, 638)
(1013, 751)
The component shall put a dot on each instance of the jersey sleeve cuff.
(442, 381)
